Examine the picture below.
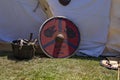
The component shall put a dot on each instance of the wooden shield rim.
(39, 41)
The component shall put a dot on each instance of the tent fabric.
(97, 20)
(18, 20)
(92, 19)
(113, 43)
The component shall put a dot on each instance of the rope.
(38, 3)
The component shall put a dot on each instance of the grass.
(43, 68)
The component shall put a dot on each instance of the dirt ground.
(5, 46)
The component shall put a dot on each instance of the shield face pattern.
(64, 2)
(59, 37)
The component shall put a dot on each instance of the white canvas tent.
(18, 19)
(113, 41)
(92, 18)
(98, 21)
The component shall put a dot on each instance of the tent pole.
(118, 77)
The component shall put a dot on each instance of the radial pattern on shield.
(59, 37)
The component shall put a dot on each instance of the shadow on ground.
(10, 56)
(87, 57)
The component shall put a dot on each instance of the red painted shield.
(59, 37)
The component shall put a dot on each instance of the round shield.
(59, 37)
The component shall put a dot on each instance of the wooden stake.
(118, 78)
(31, 36)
